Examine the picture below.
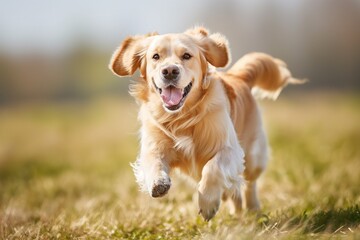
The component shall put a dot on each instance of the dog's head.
(174, 65)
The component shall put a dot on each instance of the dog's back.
(254, 75)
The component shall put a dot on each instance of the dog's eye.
(186, 56)
(156, 56)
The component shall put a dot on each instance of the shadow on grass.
(332, 220)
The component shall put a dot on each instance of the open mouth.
(173, 97)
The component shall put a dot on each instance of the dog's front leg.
(210, 189)
(221, 173)
(152, 174)
(152, 168)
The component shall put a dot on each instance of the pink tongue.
(171, 96)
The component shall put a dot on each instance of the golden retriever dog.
(202, 121)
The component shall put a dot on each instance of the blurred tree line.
(78, 75)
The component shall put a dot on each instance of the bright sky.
(56, 24)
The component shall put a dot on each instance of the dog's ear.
(214, 46)
(129, 56)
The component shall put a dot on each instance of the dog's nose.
(170, 72)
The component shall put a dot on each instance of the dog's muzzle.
(173, 97)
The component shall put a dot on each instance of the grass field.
(65, 174)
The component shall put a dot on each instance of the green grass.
(65, 174)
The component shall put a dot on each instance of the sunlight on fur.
(197, 119)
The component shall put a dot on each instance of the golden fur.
(216, 135)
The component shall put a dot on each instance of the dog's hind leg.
(255, 163)
(251, 199)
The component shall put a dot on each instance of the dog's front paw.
(160, 187)
(208, 206)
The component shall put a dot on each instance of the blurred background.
(52, 51)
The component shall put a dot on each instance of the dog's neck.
(179, 123)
